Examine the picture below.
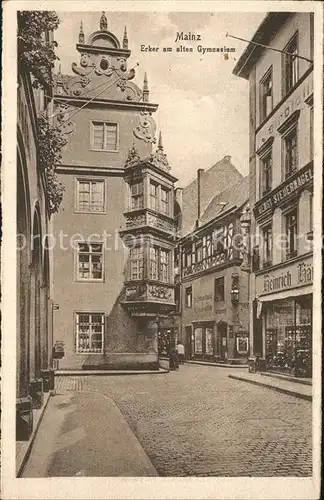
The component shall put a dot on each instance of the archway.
(23, 280)
(35, 306)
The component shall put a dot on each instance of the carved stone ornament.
(145, 130)
(160, 160)
(161, 292)
(114, 69)
(64, 124)
(133, 157)
(135, 292)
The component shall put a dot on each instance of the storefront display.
(288, 336)
(198, 341)
(209, 341)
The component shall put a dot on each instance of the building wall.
(78, 151)
(122, 334)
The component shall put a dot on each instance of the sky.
(203, 107)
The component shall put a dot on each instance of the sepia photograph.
(161, 271)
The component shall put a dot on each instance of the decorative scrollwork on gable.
(146, 127)
(64, 124)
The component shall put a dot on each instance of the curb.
(206, 363)
(274, 388)
(32, 439)
(89, 373)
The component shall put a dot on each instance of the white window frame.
(285, 60)
(136, 196)
(92, 148)
(166, 204)
(77, 324)
(140, 263)
(268, 76)
(78, 253)
(77, 208)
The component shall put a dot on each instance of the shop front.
(204, 340)
(286, 319)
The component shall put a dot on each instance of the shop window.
(137, 198)
(291, 234)
(89, 332)
(165, 201)
(219, 289)
(153, 196)
(90, 262)
(290, 152)
(137, 263)
(267, 246)
(90, 196)
(209, 341)
(104, 136)
(198, 340)
(188, 296)
(266, 173)
(266, 97)
(290, 64)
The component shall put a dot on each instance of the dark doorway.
(188, 351)
(222, 339)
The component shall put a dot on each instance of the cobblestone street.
(199, 422)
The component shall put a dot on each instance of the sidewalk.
(292, 388)
(84, 434)
(69, 373)
(208, 363)
(23, 448)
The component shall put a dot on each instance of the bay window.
(137, 263)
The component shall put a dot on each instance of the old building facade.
(281, 187)
(116, 273)
(213, 320)
(34, 287)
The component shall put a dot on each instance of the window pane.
(98, 135)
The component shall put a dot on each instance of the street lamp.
(245, 221)
(235, 290)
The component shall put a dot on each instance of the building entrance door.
(188, 351)
(222, 339)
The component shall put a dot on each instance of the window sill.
(104, 150)
(309, 236)
(91, 212)
(267, 264)
(291, 255)
(89, 281)
(86, 353)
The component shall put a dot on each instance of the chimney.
(199, 174)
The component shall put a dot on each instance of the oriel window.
(154, 263)
(164, 266)
(137, 263)
(137, 198)
(165, 201)
(154, 196)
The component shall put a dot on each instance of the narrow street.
(193, 422)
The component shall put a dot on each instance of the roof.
(268, 28)
(213, 181)
(234, 196)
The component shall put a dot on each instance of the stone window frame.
(290, 61)
(90, 253)
(77, 323)
(188, 293)
(104, 123)
(268, 76)
(266, 225)
(220, 280)
(77, 208)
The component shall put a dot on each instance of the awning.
(286, 294)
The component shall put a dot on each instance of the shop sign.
(220, 311)
(282, 193)
(296, 275)
(203, 302)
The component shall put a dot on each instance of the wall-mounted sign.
(220, 311)
(293, 276)
(292, 186)
(242, 344)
